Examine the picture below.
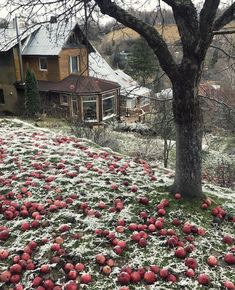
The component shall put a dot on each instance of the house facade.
(58, 55)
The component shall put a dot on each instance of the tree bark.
(188, 122)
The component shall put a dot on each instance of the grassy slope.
(169, 32)
(32, 158)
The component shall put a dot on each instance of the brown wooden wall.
(7, 68)
(64, 61)
(53, 70)
(58, 67)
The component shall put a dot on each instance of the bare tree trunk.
(188, 122)
(165, 153)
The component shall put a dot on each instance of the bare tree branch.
(151, 35)
(225, 18)
(226, 53)
(225, 31)
(185, 15)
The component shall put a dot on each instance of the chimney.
(20, 50)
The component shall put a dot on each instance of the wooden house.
(58, 55)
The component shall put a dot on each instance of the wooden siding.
(7, 68)
(17, 63)
(14, 99)
(51, 74)
(64, 61)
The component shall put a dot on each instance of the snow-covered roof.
(49, 40)
(98, 67)
(165, 94)
(8, 38)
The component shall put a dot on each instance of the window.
(89, 105)
(64, 100)
(2, 99)
(43, 63)
(109, 105)
(74, 64)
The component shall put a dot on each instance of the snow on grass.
(67, 187)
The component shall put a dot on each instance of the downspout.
(19, 51)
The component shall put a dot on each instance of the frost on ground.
(64, 201)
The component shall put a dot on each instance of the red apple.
(79, 267)
(4, 234)
(100, 259)
(86, 278)
(106, 270)
(190, 273)
(178, 196)
(203, 279)
(72, 274)
(133, 227)
(229, 258)
(191, 263)
(135, 236)
(71, 285)
(142, 242)
(159, 224)
(5, 276)
(15, 269)
(212, 261)
(48, 284)
(135, 277)
(25, 226)
(186, 228)
(68, 267)
(124, 278)
(150, 277)
(229, 285)
(228, 240)
(164, 273)
(180, 253)
(172, 278)
(154, 268)
(3, 254)
(45, 269)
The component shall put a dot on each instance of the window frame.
(107, 96)
(71, 64)
(62, 103)
(40, 66)
(2, 97)
(85, 99)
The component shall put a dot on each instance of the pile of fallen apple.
(77, 217)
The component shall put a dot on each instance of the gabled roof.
(8, 38)
(51, 38)
(78, 85)
(98, 67)
(47, 39)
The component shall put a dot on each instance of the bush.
(32, 97)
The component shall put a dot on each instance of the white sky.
(137, 4)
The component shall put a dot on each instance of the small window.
(109, 105)
(74, 64)
(89, 109)
(2, 99)
(64, 100)
(43, 63)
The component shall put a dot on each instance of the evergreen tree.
(32, 97)
(142, 62)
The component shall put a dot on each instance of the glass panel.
(74, 64)
(90, 110)
(43, 63)
(2, 100)
(75, 107)
(64, 100)
(109, 106)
